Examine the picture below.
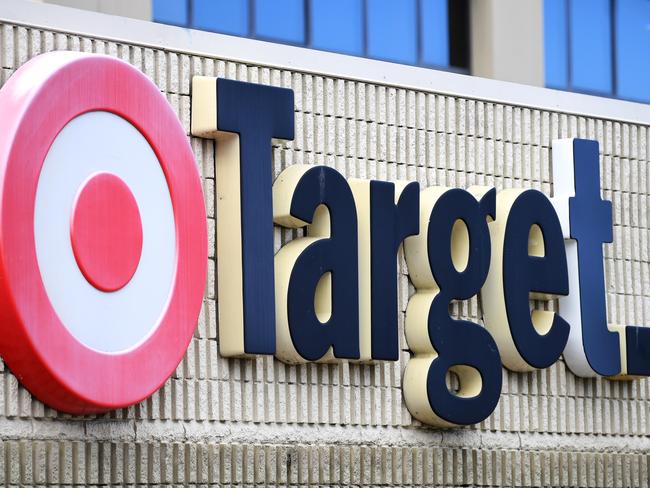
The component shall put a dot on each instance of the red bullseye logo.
(106, 232)
(103, 245)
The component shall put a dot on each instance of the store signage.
(103, 246)
(103, 251)
(331, 294)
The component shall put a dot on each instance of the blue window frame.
(392, 30)
(280, 20)
(173, 12)
(337, 25)
(633, 49)
(227, 16)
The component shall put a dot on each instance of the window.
(432, 33)
(337, 25)
(434, 27)
(598, 46)
(591, 45)
(281, 20)
(633, 49)
(556, 44)
(227, 16)
(392, 30)
(173, 12)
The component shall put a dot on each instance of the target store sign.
(103, 251)
(103, 246)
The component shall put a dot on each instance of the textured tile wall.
(260, 421)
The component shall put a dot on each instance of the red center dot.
(106, 232)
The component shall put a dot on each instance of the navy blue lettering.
(390, 224)
(461, 342)
(523, 274)
(590, 220)
(337, 255)
(257, 113)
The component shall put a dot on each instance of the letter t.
(243, 117)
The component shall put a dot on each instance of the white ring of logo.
(107, 322)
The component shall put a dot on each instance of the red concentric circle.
(106, 232)
(36, 103)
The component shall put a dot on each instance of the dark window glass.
(392, 30)
(434, 27)
(171, 12)
(337, 25)
(458, 29)
(591, 45)
(280, 20)
(633, 49)
(227, 16)
(556, 43)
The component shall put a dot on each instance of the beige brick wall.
(263, 422)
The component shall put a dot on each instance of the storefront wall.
(260, 421)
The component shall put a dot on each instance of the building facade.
(587, 46)
(259, 421)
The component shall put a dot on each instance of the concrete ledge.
(130, 430)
